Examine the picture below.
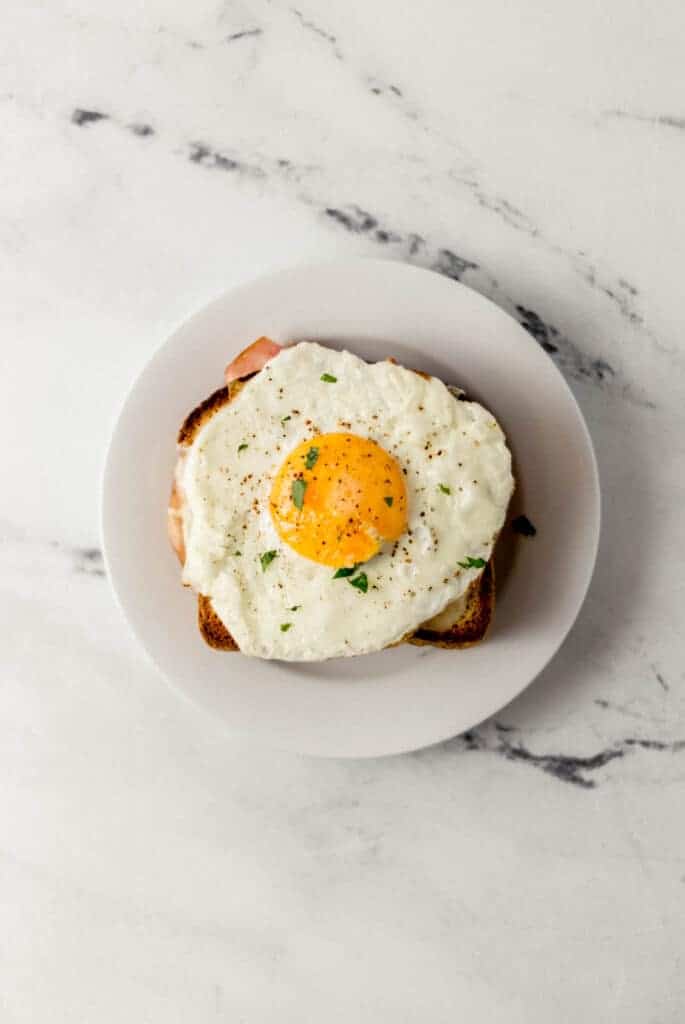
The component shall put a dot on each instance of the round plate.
(406, 697)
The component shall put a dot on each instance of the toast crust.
(205, 410)
(212, 628)
(472, 612)
(473, 621)
(199, 416)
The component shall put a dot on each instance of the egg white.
(459, 482)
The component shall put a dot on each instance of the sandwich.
(323, 506)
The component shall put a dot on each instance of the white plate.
(407, 697)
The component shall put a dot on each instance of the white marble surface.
(153, 868)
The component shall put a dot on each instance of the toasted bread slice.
(462, 623)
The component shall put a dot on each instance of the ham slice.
(252, 359)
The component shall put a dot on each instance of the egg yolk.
(337, 498)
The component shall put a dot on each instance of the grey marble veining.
(411, 246)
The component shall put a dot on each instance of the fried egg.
(334, 505)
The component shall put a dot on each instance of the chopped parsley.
(295, 608)
(340, 574)
(285, 626)
(297, 491)
(361, 582)
(284, 419)
(328, 378)
(267, 558)
(389, 501)
(242, 447)
(473, 563)
(237, 554)
(311, 457)
(444, 488)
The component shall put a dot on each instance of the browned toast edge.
(474, 622)
(205, 410)
(212, 628)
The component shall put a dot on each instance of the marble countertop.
(153, 868)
